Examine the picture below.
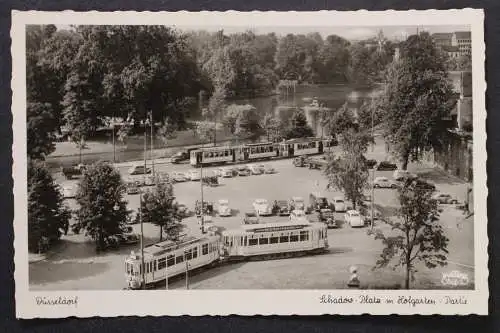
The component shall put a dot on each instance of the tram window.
(245, 241)
(304, 236)
(154, 265)
(294, 238)
(273, 240)
(284, 239)
(195, 252)
(179, 259)
(263, 241)
(170, 260)
(161, 263)
(188, 254)
(204, 249)
(252, 241)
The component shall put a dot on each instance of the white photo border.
(247, 302)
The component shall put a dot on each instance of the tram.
(259, 151)
(274, 240)
(170, 259)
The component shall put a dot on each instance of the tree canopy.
(47, 214)
(298, 127)
(102, 209)
(417, 99)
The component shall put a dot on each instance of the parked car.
(403, 174)
(297, 203)
(424, 184)
(268, 169)
(194, 175)
(255, 169)
(317, 201)
(75, 170)
(179, 157)
(281, 207)
(444, 198)
(223, 208)
(261, 207)
(299, 161)
(133, 188)
(251, 218)
(69, 191)
(244, 171)
(371, 163)
(226, 173)
(386, 166)
(179, 177)
(326, 216)
(339, 204)
(139, 169)
(354, 218)
(183, 210)
(383, 182)
(298, 216)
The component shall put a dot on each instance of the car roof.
(297, 198)
(338, 198)
(352, 211)
(382, 178)
(223, 201)
(260, 199)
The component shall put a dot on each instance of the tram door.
(290, 150)
(320, 147)
(199, 158)
(245, 154)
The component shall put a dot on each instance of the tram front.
(133, 271)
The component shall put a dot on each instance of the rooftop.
(463, 34)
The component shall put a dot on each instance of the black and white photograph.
(170, 159)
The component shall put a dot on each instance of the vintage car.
(255, 169)
(194, 175)
(226, 173)
(354, 218)
(268, 169)
(251, 218)
(326, 216)
(281, 207)
(317, 201)
(339, 204)
(138, 169)
(386, 166)
(403, 175)
(297, 203)
(299, 161)
(75, 170)
(244, 171)
(262, 207)
(179, 157)
(133, 188)
(69, 191)
(223, 208)
(383, 182)
(444, 198)
(371, 163)
(298, 216)
(179, 177)
(183, 210)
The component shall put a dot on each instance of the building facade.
(462, 39)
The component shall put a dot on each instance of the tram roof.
(287, 225)
(168, 245)
(259, 144)
(214, 148)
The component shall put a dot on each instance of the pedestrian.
(66, 227)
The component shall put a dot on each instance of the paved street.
(74, 265)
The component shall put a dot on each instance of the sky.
(350, 33)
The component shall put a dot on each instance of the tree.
(102, 210)
(215, 107)
(160, 208)
(341, 120)
(416, 233)
(273, 127)
(417, 99)
(47, 215)
(349, 173)
(243, 121)
(205, 131)
(298, 126)
(41, 130)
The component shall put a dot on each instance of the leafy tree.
(298, 126)
(41, 129)
(341, 120)
(417, 98)
(205, 131)
(349, 173)
(416, 233)
(215, 108)
(47, 215)
(243, 120)
(102, 210)
(160, 208)
(273, 127)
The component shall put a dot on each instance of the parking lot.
(76, 266)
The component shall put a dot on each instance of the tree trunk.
(407, 278)
(161, 233)
(406, 158)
